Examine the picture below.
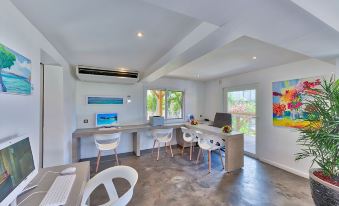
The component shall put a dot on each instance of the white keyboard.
(108, 128)
(59, 191)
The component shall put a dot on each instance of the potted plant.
(320, 141)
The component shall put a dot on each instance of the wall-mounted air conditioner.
(96, 74)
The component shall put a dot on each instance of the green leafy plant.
(320, 139)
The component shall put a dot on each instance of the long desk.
(234, 142)
(46, 177)
(134, 129)
(234, 145)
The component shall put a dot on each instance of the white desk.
(46, 179)
(234, 143)
(134, 129)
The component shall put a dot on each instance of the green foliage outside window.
(165, 103)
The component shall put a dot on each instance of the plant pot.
(323, 193)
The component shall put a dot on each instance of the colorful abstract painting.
(15, 72)
(288, 108)
(105, 100)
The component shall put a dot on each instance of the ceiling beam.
(168, 62)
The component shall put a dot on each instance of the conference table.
(234, 141)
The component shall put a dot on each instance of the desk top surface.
(139, 127)
(212, 130)
(121, 128)
(45, 179)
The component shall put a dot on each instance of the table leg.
(75, 150)
(136, 143)
(234, 153)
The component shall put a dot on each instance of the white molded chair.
(162, 136)
(105, 177)
(106, 142)
(189, 136)
(209, 143)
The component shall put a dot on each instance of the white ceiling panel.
(235, 58)
(103, 33)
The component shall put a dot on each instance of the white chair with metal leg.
(162, 136)
(105, 178)
(189, 136)
(106, 142)
(209, 143)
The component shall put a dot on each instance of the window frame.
(166, 102)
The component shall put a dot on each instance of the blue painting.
(106, 119)
(104, 100)
(15, 72)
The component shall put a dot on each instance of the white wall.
(53, 122)
(275, 145)
(132, 113)
(21, 114)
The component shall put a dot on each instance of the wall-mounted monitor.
(106, 119)
(17, 167)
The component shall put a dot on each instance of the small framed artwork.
(92, 100)
(15, 72)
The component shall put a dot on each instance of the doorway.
(241, 102)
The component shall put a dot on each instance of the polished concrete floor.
(180, 182)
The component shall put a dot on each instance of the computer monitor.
(106, 119)
(222, 119)
(17, 167)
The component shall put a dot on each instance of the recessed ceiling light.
(254, 57)
(140, 34)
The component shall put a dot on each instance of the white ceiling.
(182, 33)
(103, 33)
(327, 11)
(235, 58)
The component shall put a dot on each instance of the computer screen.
(16, 164)
(106, 119)
(222, 119)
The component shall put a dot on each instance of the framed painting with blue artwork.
(15, 72)
(90, 100)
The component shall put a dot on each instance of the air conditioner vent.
(94, 74)
(108, 73)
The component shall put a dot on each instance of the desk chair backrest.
(102, 141)
(209, 142)
(162, 134)
(105, 178)
(188, 134)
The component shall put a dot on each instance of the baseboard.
(284, 167)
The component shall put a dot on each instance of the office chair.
(105, 142)
(189, 136)
(162, 136)
(105, 178)
(209, 143)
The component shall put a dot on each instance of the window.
(166, 103)
(241, 103)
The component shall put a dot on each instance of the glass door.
(241, 103)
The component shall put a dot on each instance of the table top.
(45, 179)
(139, 127)
(122, 128)
(205, 128)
